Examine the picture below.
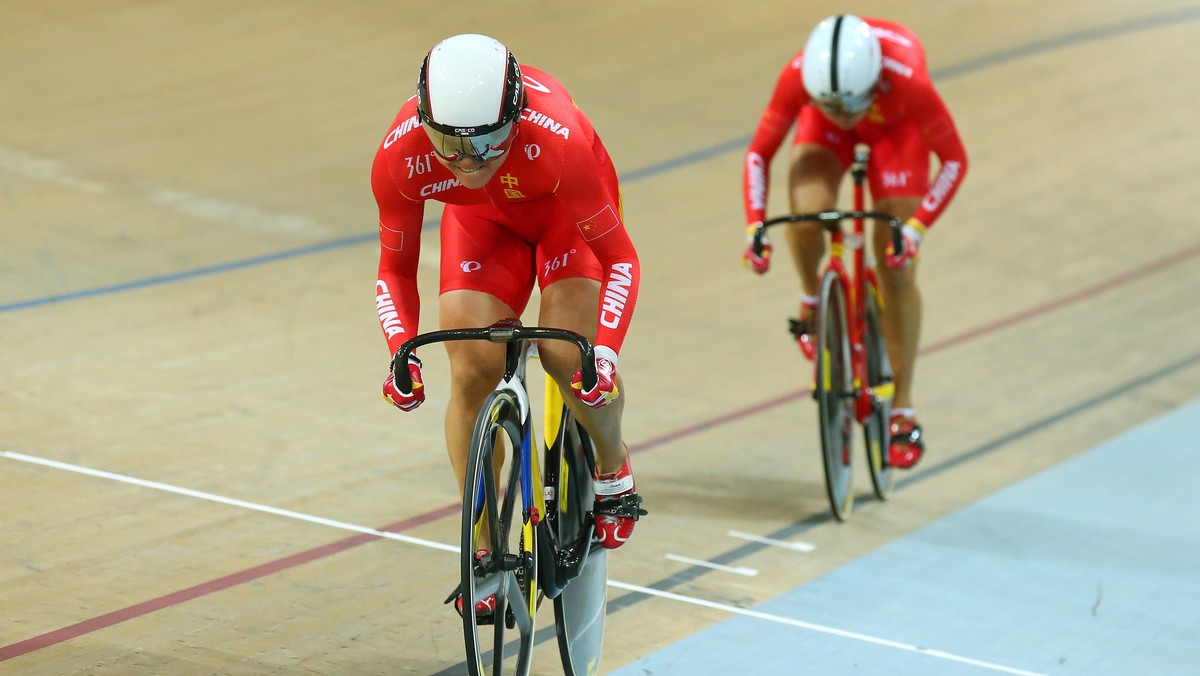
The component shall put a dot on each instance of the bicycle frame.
(854, 277)
(852, 378)
(554, 546)
(516, 338)
(855, 285)
(563, 563)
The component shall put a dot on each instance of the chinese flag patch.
(599, 223)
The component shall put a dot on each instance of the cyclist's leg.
(569, 277)
(902, 304)
(901, 325)
(813, 180)
(475, 367)
(899, 173)
(486, 276)
(820, 156)
(570, 298)
(819, 160)
(571, 304)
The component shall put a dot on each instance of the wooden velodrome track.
(190, 416)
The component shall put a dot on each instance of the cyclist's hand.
(605, 392)
(911, 235)
(757, 261)
(411, 400)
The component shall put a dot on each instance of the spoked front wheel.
(834, 392)
(498, 552)
(879, 378)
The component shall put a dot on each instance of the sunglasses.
(482, 147)
(847, 106)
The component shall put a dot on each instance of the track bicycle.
(534, 520)
(852, 375)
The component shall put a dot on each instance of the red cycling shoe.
(617, 508)
(485, 610)
(907, 443)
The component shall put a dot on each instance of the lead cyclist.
(531, 197)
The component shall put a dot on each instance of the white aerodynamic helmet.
(842, 62)
(470, 96)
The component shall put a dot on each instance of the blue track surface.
(1091, 567)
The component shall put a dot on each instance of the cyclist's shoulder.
(550, 110)
(899, 44)
(892, 31)
(403, 127)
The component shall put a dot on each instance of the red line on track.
(175, 598)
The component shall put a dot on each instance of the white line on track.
(228, 501)
(822, 629)
(738, 570)
(451, 548)
(798, 546)
(192, 205)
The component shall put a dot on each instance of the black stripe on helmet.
(833, 53)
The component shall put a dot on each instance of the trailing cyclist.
(861, 81)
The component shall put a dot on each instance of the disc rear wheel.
(576, 573)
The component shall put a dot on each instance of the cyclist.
(861, 81)
(530, 193)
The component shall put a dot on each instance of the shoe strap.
(614, 486)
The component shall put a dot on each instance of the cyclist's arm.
(396, 297)
(622, 278)
(933, 118)
(773, 126)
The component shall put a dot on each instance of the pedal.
(455, 598)
(629, 506)
(797, 328)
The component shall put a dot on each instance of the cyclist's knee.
(898, 280)
(901, 207)
(815, 171)
(475, 368)
(808, 237)
(560, 360)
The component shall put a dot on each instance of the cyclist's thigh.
(562, 252)
(475, 364)
(898, 174)
(571, 304)
(820, 156)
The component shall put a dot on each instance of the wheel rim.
(832, 390)
(879, 377)
(499, 572)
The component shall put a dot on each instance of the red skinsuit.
(553, 209)
(906, 120)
